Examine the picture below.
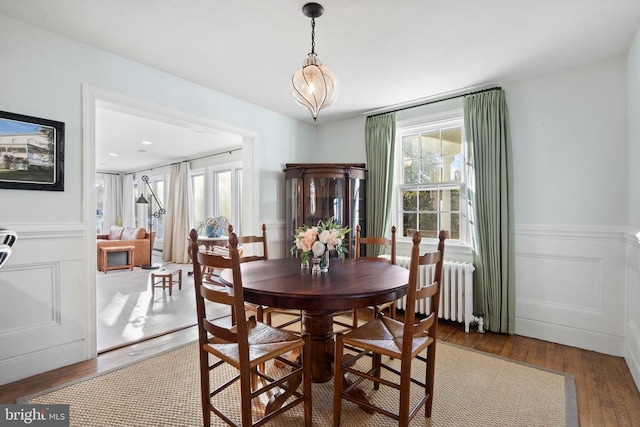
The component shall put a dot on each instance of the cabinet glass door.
(325, 199)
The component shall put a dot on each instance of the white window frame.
(211, 192)
(424, 124)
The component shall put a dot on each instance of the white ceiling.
(384, 53)
(128, 140)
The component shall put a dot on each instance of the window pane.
(450, 199)
(430, 144)
(412, 172)
(452, 168)
(99, 205)
(428, 224)
(159, 190)
(223, 185)
(430, 170)
(410, 147)
(239, 198)
(411, 164)
(450, 222)
(428, 200)
(199, 209)
(139, 211)
(451, 142)
(410, 221)
(409, 200)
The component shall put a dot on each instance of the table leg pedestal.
(319, 325)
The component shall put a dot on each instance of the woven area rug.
(471, 389)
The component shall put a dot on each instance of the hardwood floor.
(606, 393)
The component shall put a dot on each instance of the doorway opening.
(119, 303)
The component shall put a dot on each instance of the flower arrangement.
(315, 241)
(213, 227)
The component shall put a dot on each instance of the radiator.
(456, 295)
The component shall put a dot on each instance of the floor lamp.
(161, 211)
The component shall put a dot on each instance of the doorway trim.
(93, 96)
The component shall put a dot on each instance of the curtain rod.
(433, 101)
(189, 160)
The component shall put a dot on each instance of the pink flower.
(332, 239)
(304, 240)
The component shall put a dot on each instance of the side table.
(113, 249)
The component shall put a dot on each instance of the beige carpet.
(472, 389)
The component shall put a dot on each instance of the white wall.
(47, 309)
(632, 325)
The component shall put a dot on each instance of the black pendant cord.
(437, 100)
(313, 37)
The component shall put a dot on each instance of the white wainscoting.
(632, 325)
(571, 286)
(43, 301)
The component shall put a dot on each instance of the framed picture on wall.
(31, 153)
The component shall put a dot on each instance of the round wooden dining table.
(348, 284)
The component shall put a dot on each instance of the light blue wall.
(633, 94)
(569, 133)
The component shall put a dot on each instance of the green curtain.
(486, 123)
(380, 139)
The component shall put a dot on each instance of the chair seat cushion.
(264, 343)
(384, 335)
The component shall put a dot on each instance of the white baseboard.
(581, 338)
(30, 364)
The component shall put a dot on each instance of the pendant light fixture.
(314, 85)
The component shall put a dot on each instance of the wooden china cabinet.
(317, 191)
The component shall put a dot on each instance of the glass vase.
(324, 262)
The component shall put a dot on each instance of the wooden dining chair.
(259, 251)
(245, 346)
(404, 342)
(390, 245)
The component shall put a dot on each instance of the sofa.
(139, 238)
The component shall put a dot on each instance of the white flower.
(324, 236)
(318, 248)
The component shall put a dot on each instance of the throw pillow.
(115, 232)
(130, 233)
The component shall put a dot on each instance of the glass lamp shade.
(314, 85)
